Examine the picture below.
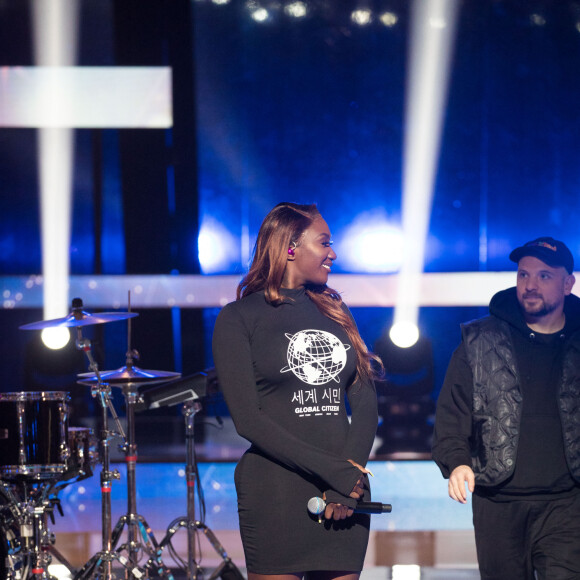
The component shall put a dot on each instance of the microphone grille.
(316, 505)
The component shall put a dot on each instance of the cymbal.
(128, 375)
(84, 319)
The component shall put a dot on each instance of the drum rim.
(25, 396)
(79, 429)
(33, 469)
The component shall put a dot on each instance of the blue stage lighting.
(371, 245)
(219, 250)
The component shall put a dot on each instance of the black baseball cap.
(551, 251)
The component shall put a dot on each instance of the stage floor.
(426, 535)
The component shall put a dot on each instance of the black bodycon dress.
(284, 372)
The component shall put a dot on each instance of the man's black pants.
(514, 539)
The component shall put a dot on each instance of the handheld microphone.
(316, 505)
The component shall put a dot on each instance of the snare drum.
(84, 454)
(33, 434)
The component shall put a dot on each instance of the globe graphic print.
(315, 356)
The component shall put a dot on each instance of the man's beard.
(543, 311)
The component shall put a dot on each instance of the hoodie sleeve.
(453, 418)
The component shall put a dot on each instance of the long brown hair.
(283, 226)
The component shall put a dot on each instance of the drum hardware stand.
(194, 571)
(37, 548)
(101, 564)
(137, 526)
(49, 540)
(140, 538)
(12, 518)
(43, 542)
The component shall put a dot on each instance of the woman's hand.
(358, 489)
(360, 467)
(336, 511)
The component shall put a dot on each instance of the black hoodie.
(541, 466)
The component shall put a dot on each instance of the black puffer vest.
(497, 400)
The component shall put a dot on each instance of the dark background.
(307, 110)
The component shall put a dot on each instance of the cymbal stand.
(101, 564)
(140, 537)
(194, 571)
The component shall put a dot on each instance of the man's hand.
(461, 475)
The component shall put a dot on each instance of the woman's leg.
(318, 575)
(252, 576)
(332, 575)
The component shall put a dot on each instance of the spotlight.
(296, 9)
(389, 19)
(404, 334)
(257, 12)
(260, 15)
(362, 16)
(55, 338)
(372, 245)
(217, 248)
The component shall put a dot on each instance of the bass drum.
(33, 435)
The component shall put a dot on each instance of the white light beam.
(432, 36)
(55, 44)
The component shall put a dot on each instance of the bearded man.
(507, 425)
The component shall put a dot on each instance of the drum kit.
(40, 454)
